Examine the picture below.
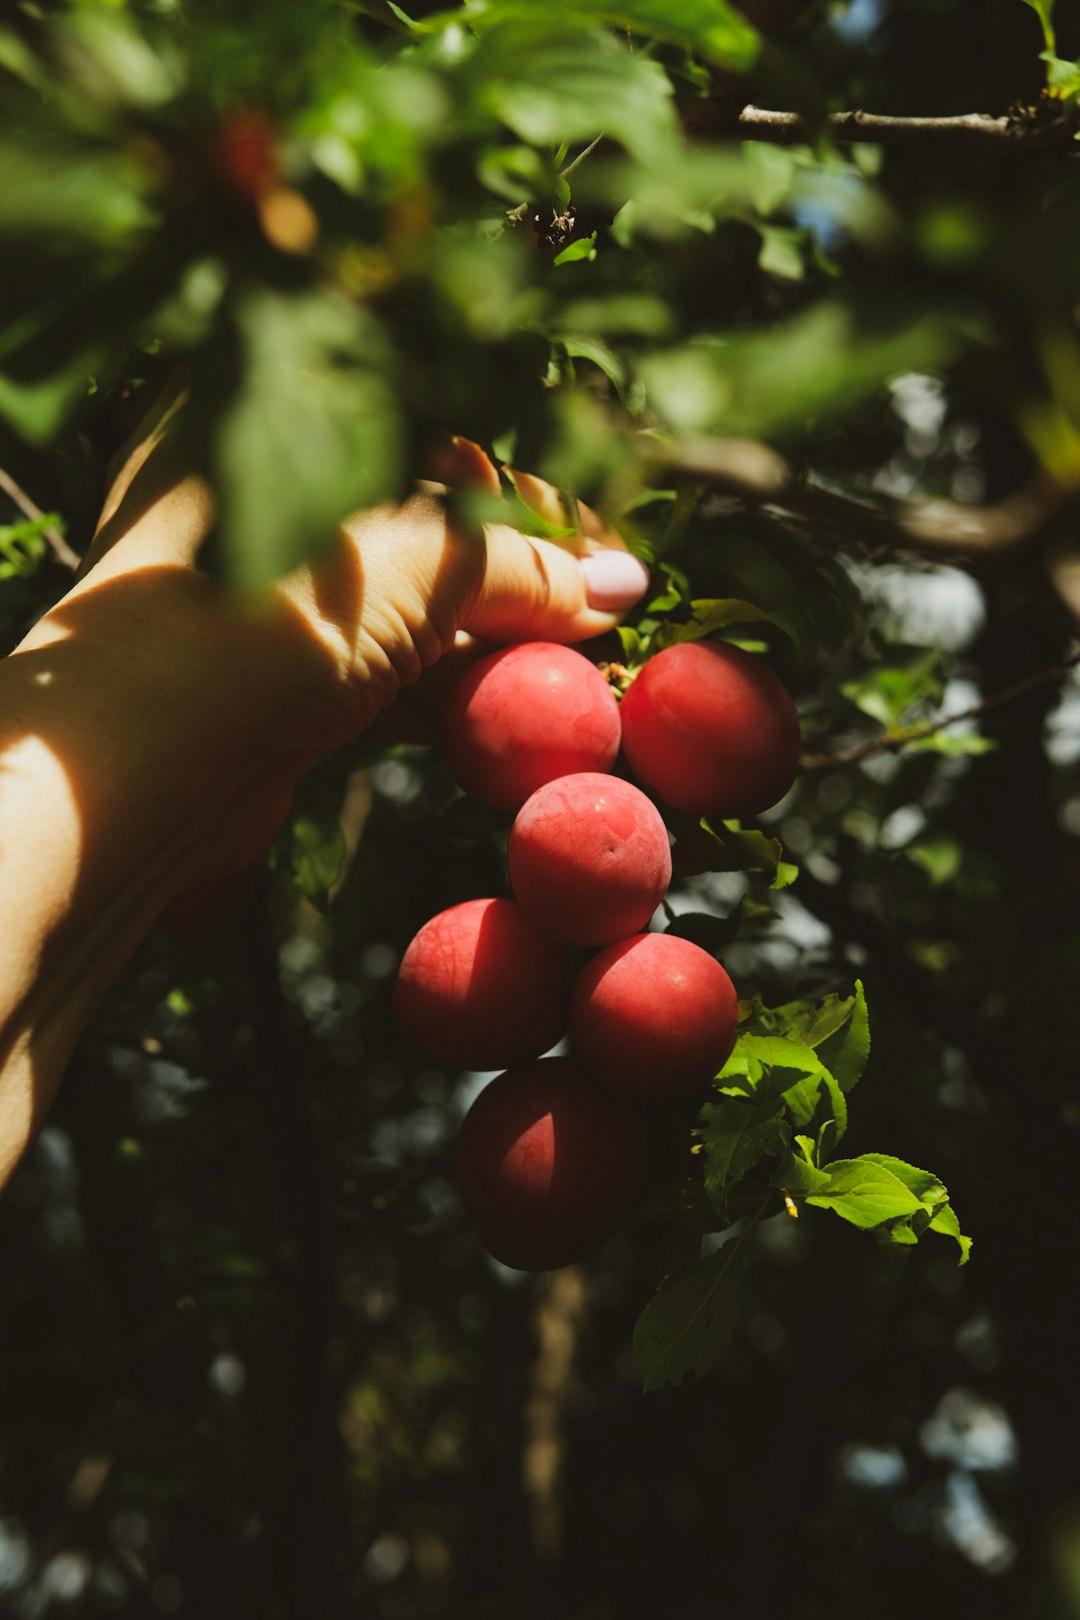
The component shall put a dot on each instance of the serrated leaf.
(864, 1192)
(944, 1220)
(798, 1175)
(927, 1188)
(764, 1067)
(801, 1100)
(308, 433)
(809, 1023)
(877, 1187)
(688, 1324)
(845, 1051)
(734, 1135)
(839, 1121)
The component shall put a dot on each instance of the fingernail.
(614, 580)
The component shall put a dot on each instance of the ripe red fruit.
(711, 729)
(548, 1164)
(480, 987)
(589, 858)
(525, 715)
(654, 1016)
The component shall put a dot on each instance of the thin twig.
(762, 124)
(889, 740)
(580, 159)
(15, 493)
(1029, 129)
(514, 216)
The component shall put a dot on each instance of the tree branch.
(1039, 129)
(886, 741)
(753, 472)
(29, 509)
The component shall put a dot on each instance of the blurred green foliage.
(250, 1358)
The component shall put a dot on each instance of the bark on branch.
(1035, 131)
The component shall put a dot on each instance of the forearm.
(133, 758)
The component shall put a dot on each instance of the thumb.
(536, 590)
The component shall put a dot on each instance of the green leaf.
(795, 377)
(69, 191)
(888, 691)
(875, 1190)
(712, 27)
(801, 1100)
(688, 1324)
(845, 1051)
(745, 849)
(583, 248)
(1044, 9)
(766, 1067)
(927, 1188)
(572, 86)
(23, 545)
(309, 432)
(1063, 78)
(944, 1220)
(599, 354)
(734, 1134)
(38, 407)
(630, 641)
(781, 252)
(953, 744)
(864, 1192)
(707, 616)
(311, 846)
(939, 855)
(804, 1021)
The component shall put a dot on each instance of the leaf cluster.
(766, 1146)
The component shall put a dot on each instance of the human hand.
(401, 598)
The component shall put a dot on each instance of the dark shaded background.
(253, 1363)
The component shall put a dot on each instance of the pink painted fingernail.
(614, 580)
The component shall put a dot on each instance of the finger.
(537, 590)
(462, 464)
(546, 500)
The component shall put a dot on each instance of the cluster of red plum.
(551, 1155)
